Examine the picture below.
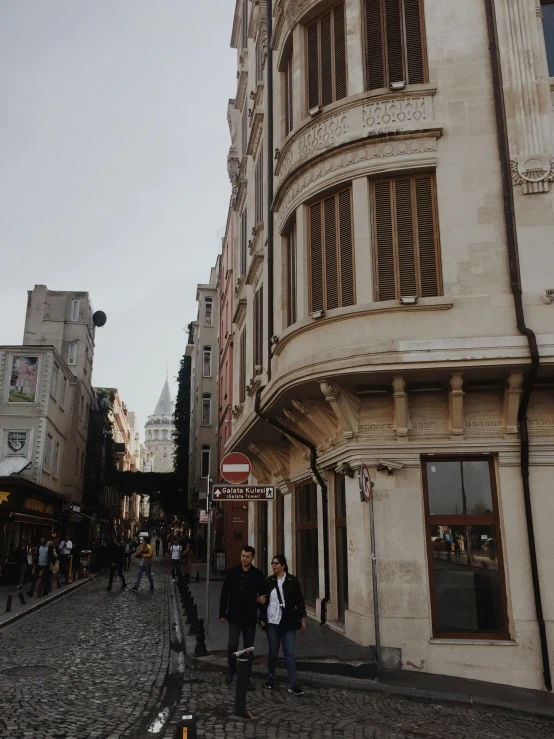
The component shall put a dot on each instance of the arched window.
(164, 435)
(207, 362)
(206, 409)
(156, 434)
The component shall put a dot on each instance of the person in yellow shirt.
(144, 555)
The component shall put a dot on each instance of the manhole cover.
(30, 671)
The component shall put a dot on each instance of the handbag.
(56, 567)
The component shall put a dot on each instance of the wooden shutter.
(289, 120)
(326, 59)
(316, 258)
(244, 128)
(242, 367)
(406, 242)
(413, 15)
(291, 276)
(394, 40)
(346, 249)
(332, 253)
(243, 241)
(339, 32)
(244, 27)
(375, 46)
(313, 65)
(259, 188)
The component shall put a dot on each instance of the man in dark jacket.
(117, 561)
(21, 557)
(239, 607)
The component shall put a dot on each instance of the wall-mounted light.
(277, 154)
(318, 314)
(397, 86)
(315, 111)
(409, 299)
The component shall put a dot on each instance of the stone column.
(401, 411)
(362, 240)
(299, 105)
(456, 406)
(354, 46)
(512, 399)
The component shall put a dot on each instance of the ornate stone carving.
(326, 133)
(345, 406)
(512, 399)
(386, 113)
(534, 172)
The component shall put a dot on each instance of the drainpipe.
(515, 281)
(270, 144)
(324, 494)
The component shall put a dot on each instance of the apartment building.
(392, 226)
(204, 390)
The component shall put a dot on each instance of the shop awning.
(36, 520)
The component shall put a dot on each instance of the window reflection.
(468, 595)
(459, 488)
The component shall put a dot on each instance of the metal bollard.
(193, 622)
(21, 599)
(58, 582)
(197, 578)
(186, 728)
(200, 649)
(9, 604)
(244, 658)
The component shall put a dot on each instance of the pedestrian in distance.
(65, 549)
(187, 560)
(45, 559)
(157, 546)
(21, 557)
(238, 606)
(128, 553)
(117, 562)
(144, 555)
(283, 613)
(175, 552)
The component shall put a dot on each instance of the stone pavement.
(89, 666)
(327, 713)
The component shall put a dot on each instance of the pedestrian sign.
(243, 492)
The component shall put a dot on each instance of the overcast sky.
(113, 146)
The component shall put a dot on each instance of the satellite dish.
(105, 404)
(13, 466)
(99, 318)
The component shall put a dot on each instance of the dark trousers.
(128, 560)
(175, 567)
(45, 581)
(113, 570)
(64, 565)
(248, 636)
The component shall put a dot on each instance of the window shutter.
(414, 41)
(313, 65)
(427, 237)
(242, 367)
(406, 240)
(384, 244)
(326, 60)
(243, 241)
(346, 248)
(258, 327)
(340, 51)
(394, 41)
(244, 128)
(244, 27)
(316, 258)
(289, 123)
(331, 259)
(291, 269)
(259, 187)
(375, 49)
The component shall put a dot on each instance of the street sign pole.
(208, 556)
(375, 591)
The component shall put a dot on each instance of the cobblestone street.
(328, 714)
(91, 665)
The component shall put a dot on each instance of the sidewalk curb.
(369, 686)
(57, 596)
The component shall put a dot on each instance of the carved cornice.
(241, 89)
(240, 312)
(256, 130)
(286, 15)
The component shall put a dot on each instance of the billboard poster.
(17, 443)
(23, 382)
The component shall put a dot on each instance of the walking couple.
(282, 613)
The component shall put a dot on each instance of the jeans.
(119, 570)
(22, 573)
(277, 636)
(248, 636)
(44, 580)
(146, 567)
(128, 556)
(175, 566)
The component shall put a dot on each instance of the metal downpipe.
(515, 282)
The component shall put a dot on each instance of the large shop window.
(395, 44)
(342, 545)
(331, 253)
(468, 597)
(548, 25)
(259, 330)
(291, 276)
(307, 567)
(327, 58)
(406, 237)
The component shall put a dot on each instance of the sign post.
(208, 554)
(366, 489)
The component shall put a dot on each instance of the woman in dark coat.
(283, 612)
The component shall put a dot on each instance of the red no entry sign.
(235, 468)
(365, 482)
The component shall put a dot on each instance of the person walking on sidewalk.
(157, 546)
(66, 548)
(283, 612)
(175, 551)
(144, 555)
(46, 558)
(128, 553)
(238, 606)
(117, 562)
(21, 557)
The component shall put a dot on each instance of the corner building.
(378, 270)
